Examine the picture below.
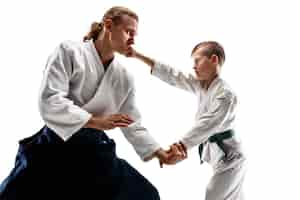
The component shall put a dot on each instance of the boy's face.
(205, 68)
(122, 35)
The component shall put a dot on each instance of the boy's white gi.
(215, 114)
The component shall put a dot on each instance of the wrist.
(155, 154)
(159, 153)
(91, 123)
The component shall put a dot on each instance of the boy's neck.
(206, 83)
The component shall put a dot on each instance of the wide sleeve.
(58, 111)
(143, 143)
(175, 78)
(220, 112)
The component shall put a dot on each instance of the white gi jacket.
(75, 87)
(215, 113)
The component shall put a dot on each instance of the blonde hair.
(115, 14)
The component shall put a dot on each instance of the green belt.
(217, 138)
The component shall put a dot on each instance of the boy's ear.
(214, 59)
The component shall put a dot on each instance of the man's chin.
(122, 52)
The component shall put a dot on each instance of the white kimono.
(215, 114)
(75, 87)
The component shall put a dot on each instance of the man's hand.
(162, 156)
(109, 122)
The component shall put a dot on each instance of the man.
(84, 92)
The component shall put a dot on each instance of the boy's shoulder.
(224, 90)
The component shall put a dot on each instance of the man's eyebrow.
(132, 30)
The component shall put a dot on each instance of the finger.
(183, 146)
(117, 116)
(113, 117)
(181, 149)
(175, 159)
(126, 120)
(121, 124)
(175, 150)
(122, 118)
(127, 117)
(161, 164)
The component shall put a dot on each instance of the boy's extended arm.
(169, 74)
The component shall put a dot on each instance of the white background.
(261, 40)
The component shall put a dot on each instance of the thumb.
(161, 164)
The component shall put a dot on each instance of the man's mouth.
(130, 42)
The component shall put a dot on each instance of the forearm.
(149, 61)
(168, 74)
(143, 143)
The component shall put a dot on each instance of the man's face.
(122, 34)
(205, 68)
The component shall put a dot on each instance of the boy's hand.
(177, 153)
(172, 156)
(182, 148)
(131, 52)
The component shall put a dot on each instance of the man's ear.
(108, 24)
(214, 59)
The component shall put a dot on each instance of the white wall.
(261, 40)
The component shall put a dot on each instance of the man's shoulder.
(123, 71)
(70, 45)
